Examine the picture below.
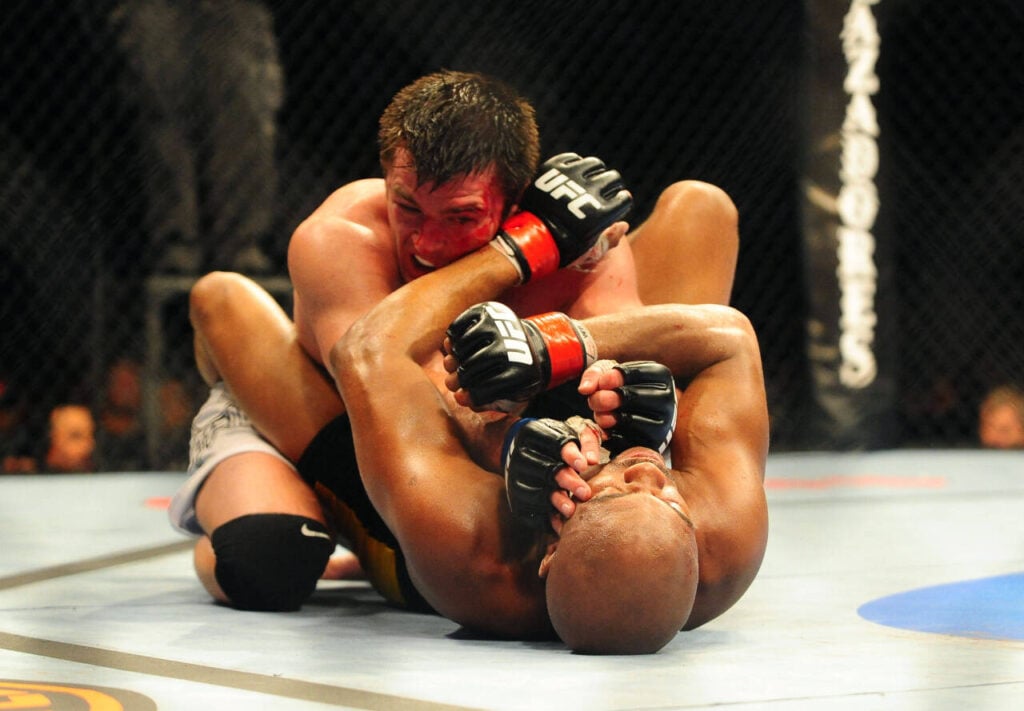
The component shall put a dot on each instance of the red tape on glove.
(565, 350)
(535, 243)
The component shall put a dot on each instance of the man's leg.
(686, 250)
(265, 539)
(269, 530)
(244, 338)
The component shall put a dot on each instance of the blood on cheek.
(463, 238)
(446, 242)
(441, 233)
(467, 240)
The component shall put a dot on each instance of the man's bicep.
(406, 447)
(728, 399)
(722, 440)
(443, 509)
(722, 424)
(448, 516)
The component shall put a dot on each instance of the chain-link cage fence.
(955, 115)
(143, 142)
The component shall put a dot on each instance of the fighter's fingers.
(562, 503)
(572, 484)
(451, 381)
(603, 401)
(606, 420)
(451, 363)
(590, 445)
(573, 456)
(593, 376)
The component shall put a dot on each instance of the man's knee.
(695, 199)
(270, 562)
(212, 295)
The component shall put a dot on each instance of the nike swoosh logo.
(307, 531)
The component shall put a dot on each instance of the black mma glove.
(564, 212)
(531, 457)
(504, 360)
(647, 416)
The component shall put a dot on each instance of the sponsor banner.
(845, 244)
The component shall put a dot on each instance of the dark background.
(661, 90)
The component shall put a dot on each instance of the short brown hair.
(457, 123)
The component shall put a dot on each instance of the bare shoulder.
(352, 221)
(360, 201)
(347, 235)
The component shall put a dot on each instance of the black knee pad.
(270, 562)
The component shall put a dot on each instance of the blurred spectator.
(121, 435)
(176, 411)
(16, 439)
(206, 80)
(72, 440)
(1001, 418)
(122, 432)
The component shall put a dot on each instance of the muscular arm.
(721, 437)
(349, 228)
(448, 514)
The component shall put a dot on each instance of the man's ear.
(545, 563)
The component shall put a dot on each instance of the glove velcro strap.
(647, 416)
(531, 459)
(536, 250)
(511, 435)
(569, 345)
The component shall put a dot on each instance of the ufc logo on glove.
(559, 185)
(511, 330)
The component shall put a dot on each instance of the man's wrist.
(527, 241)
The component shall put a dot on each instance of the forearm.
(410, 323)
(686, 339)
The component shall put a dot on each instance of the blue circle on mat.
(989, 608)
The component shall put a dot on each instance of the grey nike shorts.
(220, 430)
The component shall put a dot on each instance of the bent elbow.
(735, 329)
(355, 354)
